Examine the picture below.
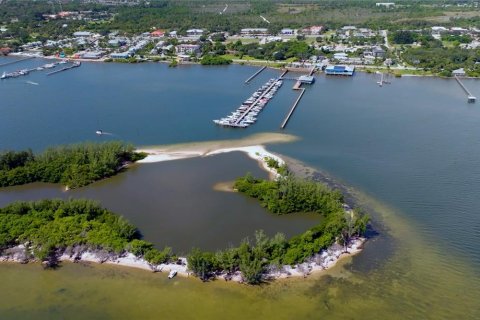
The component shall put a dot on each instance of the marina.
(26, 71)
(246, 114)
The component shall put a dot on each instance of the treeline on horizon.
(72, 165)
(205, 14)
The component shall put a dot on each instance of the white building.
(385, 4)
(187, 49)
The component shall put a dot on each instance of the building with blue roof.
(340, 70)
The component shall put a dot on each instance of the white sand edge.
(256, 152)
(324, 260)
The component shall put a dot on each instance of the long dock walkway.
(255, 74)
(74, 65)
(470, 97)
(254, 103)
(294, 106)
(16, 61)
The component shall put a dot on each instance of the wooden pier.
(16, 61)
(284, 124)
(255, 74)
(74, 65)
(470, 97)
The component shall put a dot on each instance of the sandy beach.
(252, 145)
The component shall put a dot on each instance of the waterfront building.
(340, 70)
(459, 72)
(306, 79)
(187, 49)
(93, 55)
(120, 55)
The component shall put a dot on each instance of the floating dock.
(255, 74)
(470, 97)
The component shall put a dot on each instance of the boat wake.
(32, 83)
(104, 133)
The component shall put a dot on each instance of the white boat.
(99, 132)
(172, 274)
(4, 75)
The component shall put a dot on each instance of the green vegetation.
(214, 60)
(51, 227)
(284, 196)
(437, 60)
(72, 165)
(273, 50)
(273, 163)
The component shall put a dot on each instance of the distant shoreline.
(363, 69)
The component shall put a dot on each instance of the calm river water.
(408, 151)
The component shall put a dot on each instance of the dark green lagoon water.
(409, 151)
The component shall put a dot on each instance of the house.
(458, 30)
(81, 34)
(194, 32)
(93, 55)
(459, 72)
(120, 55)
(287, 31)
(439, 29)
(340, 56)
(158, 33)
(385, 4)
(313, 30)
(187, 49)
(378, 52)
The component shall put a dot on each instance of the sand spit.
(251, 145)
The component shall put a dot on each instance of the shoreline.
(322, 261)
(234, 61)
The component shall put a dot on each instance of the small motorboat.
(172, 274)
(99, 132)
